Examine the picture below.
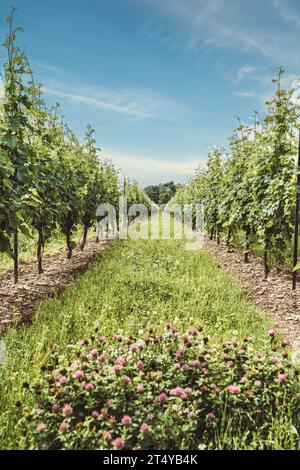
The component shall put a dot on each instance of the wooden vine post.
(296, 237)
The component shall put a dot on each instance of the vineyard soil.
(17, 302)
(274, 295)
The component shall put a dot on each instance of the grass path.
(136, 284)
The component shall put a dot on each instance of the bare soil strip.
(274, 296)
(17, 303)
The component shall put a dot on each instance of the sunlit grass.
(135, 285)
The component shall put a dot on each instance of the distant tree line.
(161, 193)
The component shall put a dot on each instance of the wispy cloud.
(245, 94)
(286, 12)
(223, 24)
(244, 72)
(131, 101)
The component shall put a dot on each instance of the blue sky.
(160, 80)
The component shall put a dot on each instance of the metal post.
(296, 237)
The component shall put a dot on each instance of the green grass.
(28, 248)
(135, 285)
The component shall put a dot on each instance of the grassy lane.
(136, 284)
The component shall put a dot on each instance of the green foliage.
(166, 391)
(252, 188)
(162, 193)
(48, 179)
(137, 285)
(135, 195)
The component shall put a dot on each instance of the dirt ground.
(274, 296)
(17, 303)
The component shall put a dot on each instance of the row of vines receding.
(249, 191)
(49, 180)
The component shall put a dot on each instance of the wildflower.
(196, 363)
(74, 365)
(271, 333)
(112, 421)
(89, 387)
(94, 353)
(243, 380)
(230, 364)
(257, 383)
(162, 398)
(118, 338)
(102, 339)
(193, 332)
(119, 443)
(41, 427)
(64, 427)
(140, 364)
(168, 326)
(234, 390)
(126, 419)
(178, 392)
(95, 413)
(188, 390)
(78, 374)
(249, 339)
(67, 409)
(102, 358)
(140, 388)
(282, 378)
(126, 380)
(117, 369)
(121, 361)
(133, 348)
(180, 353)
(107, 437)
(150, 416)
(144, 428)
(55, 408)
(62, 380)
(186, 368)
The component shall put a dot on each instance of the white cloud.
(285, 12)
(133, 102)
(245, 72)
(148, 170)
(220, 23)
(245, 94)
